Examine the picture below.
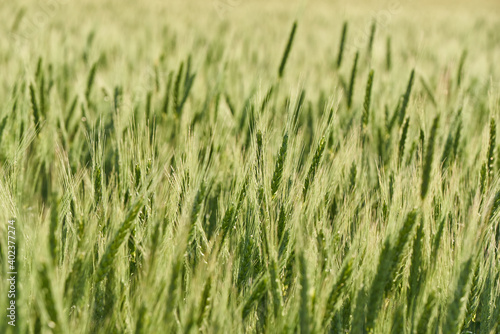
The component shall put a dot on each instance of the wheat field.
(249, 167)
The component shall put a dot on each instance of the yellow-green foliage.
(223, 166)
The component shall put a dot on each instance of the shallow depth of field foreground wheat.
(228, 166)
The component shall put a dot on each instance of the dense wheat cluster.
(260, 167)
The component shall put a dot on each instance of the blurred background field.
(251, 32)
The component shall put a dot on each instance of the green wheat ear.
(475, 299)
(416, 268)
(402, 140)
(366, 105)
(109, 256)
(116, 98)
(353, 171)
(426, 172)
(260, 154)
(287, 50)
(460, 67)
(90, 81)
(267, 98)
(343, 277)
(437, 240)
(304, 298)
(372, 37)
(314, 166)
(171, 297)
(398, 250)
(97, 185)
(177, 90)
(41, 93)
(455, 314)
(406, 98)
(278, 169)
(39, 68)
(482, 178)
(342, 43)
(358, 323)
(456, 139)
(206, 302)
(298, 106)
(376, 292)
(352, 82)
(447, 151)
(166, 99)
(486, 301)
(258, 290)
(48, 298)
(34, 105)
(53, 236)
(425, 318)
(389, 263)
(276, 289)
(198, 201)
(388, 57)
